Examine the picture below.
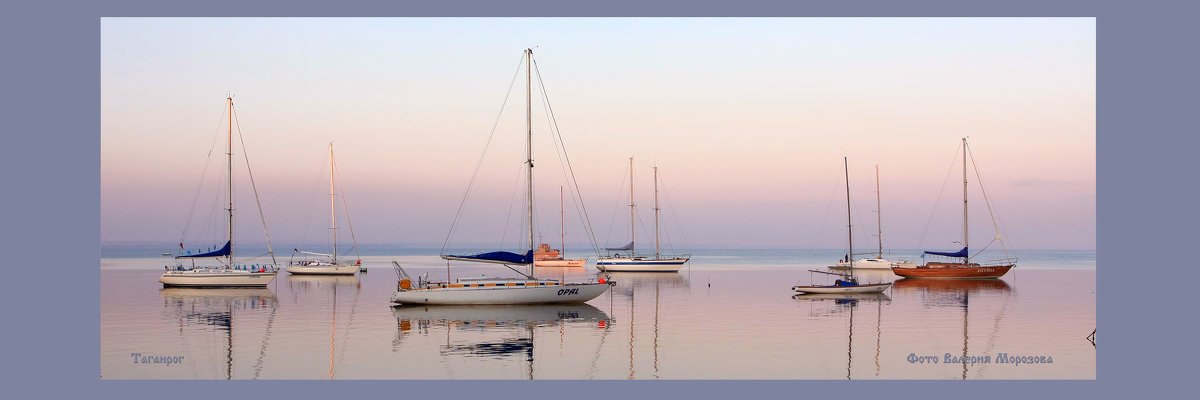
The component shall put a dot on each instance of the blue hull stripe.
(640, 263)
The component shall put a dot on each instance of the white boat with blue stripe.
(228, 272)
(631, 262)
(490, 290)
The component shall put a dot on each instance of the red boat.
(940, 270)
(964, 269)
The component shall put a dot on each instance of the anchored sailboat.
(544, 256)
(228, 273)
(848, 283)
(486, 290)
(330, 265)
(876, 262)
(633, 262)
(964, 269)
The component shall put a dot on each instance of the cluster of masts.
(528, 289)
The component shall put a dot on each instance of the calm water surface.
(722, 318)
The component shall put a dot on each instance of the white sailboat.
(488, 290)
(228, 273)
(632, 262)
(848, 283)
(876, 262)
(329, 265)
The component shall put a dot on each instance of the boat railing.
(606, 279)
(1001, 262)
(245, 267)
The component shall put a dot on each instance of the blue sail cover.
(501, 257)
(223, 251)
(960, 253)
(625, 247)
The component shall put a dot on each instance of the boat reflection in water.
(846, 303)
(322, 283)
(201, 310)
(950, 292)
(628, 285)
(517, 327)
(309, 285)
(943, 293)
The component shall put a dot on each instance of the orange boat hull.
(952, 271)
(559, 263)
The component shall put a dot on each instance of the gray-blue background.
(1145, 139)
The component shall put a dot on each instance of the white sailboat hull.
(216, 278)
(867, 263)
(862, 288)
(323, 269)
(448, 295)
(502, 313)
(640, 264)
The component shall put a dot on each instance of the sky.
(748, 120)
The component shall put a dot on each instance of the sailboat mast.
(529, 146)
(656, 250)
(229, 154)
(849, 226)
(562, 225)
(632, 231)
(966, 257)
(878, 212)
(332, 210)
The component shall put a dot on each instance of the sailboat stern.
(501, 292)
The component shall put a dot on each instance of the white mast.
(656, 250)
(229, 153)
(878, 212)
(332, 210)
(562, 226)
(849, 226)
(632, 238)
(529, 148)
(966, 257)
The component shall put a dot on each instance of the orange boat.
(545, 256)
(544, 252)
(964, 269)
(940, 270)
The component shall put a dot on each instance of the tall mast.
(332, 210)
(562, 225)
(878, 212)
(656, 256)
(966, 257)
(229, 154)
(849, 227)
(529, 146)
(632, 237)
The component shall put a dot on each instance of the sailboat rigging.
(229, 273)
(877, 262)
(488, 290)
(964, 269)
(848, 283)
(544, 256)
(331, 265)
(633, 262)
